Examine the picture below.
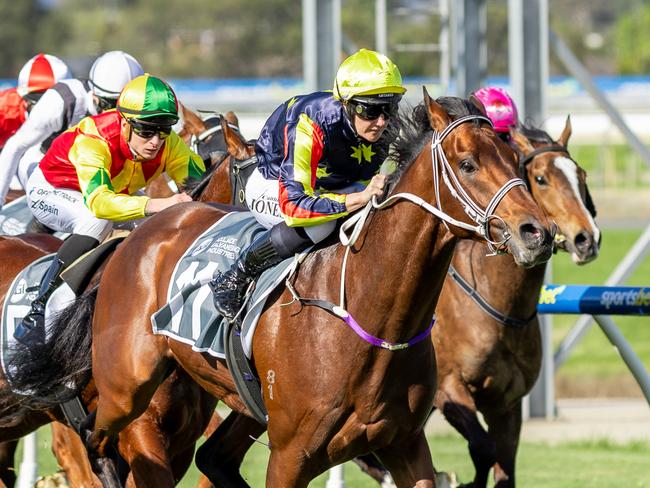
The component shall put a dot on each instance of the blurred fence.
(596, 143)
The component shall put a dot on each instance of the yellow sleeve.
(92, 160)
(181, 163)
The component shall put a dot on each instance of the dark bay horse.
(330, 395)
(488, 361)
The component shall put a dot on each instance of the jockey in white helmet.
(60, 107)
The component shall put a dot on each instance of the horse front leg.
(7, 469)
(505, 428)
(455, 402)
(410, 464)
(145, 449)
(220, 457)
(122, 397)
(71, 456)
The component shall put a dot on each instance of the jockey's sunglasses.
(373, 111)
(147, 131)
(104, 104)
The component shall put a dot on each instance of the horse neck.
(513, 290)
(401, 263)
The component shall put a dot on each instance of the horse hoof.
(447, 480)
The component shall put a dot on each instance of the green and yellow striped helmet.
(148, 98)
(367, 73)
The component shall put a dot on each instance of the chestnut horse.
(489, 360)
(159, 444)
(330, 396)
(159, 437)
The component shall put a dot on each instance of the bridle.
(482, 217)
(524, 161)
(442, 170)
(197, 140)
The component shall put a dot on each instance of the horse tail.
(52, 373)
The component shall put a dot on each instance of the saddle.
(23, 290)
(240, 172)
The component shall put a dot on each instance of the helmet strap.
(349, 112)
(136, 155)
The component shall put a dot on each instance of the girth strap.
(484, 305)
(75, 412)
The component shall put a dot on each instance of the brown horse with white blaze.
(331, 395)
(487, 337)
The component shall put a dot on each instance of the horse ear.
(231, 118)
(521, 141)
(566, 133)
(438, 117)
(191, 121)
(475, 101)
(237, 147)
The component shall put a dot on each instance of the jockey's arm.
(181, 163)
(45, 118)
(300, 204)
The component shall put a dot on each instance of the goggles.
(373, 111)
(104, 104)
(147, 131)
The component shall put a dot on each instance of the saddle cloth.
(24, 289)
(18, 300)
(190, 315)
(14, 217)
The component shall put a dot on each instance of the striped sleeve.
(181, 163)
(92, 160)
(300, 205)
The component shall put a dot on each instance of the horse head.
(559, 186)
(470, 176)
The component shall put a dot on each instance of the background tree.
(17, 43)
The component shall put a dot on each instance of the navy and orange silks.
(310, 146)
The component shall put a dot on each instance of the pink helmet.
(40, 73)
(501, 109)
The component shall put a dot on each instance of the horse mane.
(535, 134)
(415, 131)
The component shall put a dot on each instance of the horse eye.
(540, 180)
(467, 166)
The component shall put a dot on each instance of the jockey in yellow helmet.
(319, 157)
(89, 177)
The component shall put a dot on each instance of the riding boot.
(229, 288)
(31, 331)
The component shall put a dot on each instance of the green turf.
(611, 165)
(562, 466)
(594, 355)
(570, 465)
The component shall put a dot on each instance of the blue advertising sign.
(594, 300)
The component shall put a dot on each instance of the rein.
(523, 162)
(484, 305)
(198, 189)
(358, 220)
(195, 140)
(472, 292)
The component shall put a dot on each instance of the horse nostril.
(531, 234)
(583, 242)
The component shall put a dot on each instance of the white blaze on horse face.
(570, 170)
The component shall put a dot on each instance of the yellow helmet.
(148, 98)
(368, 74)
